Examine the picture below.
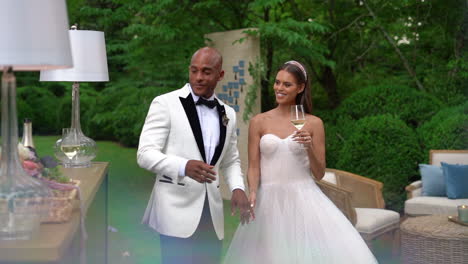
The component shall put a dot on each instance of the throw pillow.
(433, 181)
(456, 180)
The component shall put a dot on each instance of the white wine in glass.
(297, 116)
(70, 144)
(70, 150)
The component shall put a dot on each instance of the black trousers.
(203, 247)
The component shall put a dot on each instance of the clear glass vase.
(87, 148)
(24, 200)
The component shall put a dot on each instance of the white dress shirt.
(209, 124)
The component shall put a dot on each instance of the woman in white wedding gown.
(294, 222)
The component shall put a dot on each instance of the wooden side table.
(60, 243)
(433, 239)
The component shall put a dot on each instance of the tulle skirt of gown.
(295, 222)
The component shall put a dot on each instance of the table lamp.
(89, 65)
(33, 37)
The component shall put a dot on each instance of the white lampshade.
(89, 59)
(33, 35)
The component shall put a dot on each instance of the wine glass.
(70, 143)
(297, 116)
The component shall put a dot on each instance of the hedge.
(383, 148)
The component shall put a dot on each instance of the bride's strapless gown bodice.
(295, 222)
(283, 161)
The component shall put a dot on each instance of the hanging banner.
(232, 90)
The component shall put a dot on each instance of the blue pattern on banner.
(232, 90)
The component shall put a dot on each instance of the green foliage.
(333, 142)
(412, 106)
(257, 72)
(121, 112)
(55, 174)
(39, 105)
(292, 34)
(448, 129)
(384, 148)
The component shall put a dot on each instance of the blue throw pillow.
(433, 181)
(456, 179)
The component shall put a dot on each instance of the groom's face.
(205, 72)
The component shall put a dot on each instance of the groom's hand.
(200, 171)
(240, 202)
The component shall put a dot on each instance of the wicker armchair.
(361, 201)
(418, 205)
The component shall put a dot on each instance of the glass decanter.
(24, 200)
(86, 148)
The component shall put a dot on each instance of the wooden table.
(433, 239)
(60, 243)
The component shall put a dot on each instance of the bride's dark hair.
(299, 71)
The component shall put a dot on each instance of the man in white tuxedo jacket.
(188, 137)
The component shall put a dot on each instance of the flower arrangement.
(45, 168)
(64, 189)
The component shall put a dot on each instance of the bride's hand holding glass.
(302, 137)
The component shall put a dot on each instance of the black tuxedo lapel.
(191, 112)
(222, 134)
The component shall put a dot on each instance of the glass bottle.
(27, 139)
(24, 200)
(87, 149)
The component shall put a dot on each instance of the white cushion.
(370, 220)
(431, 205)
(330, 177)
(416, 192)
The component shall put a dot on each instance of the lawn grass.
(129, 190)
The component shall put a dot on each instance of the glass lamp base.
(23, 199)
(18, 227)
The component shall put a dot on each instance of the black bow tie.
(209, 103)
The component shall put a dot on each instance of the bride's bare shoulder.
(260, 120)
(262, 117)
(314, 119)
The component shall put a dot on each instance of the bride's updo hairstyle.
(299, 72)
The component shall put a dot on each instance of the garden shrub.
(412, 106)
(123, 113)
(39, 105)
(328, 116)
(25, 110)
(383, 148)
(333, 144)
(336, 134)
(448, 129)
